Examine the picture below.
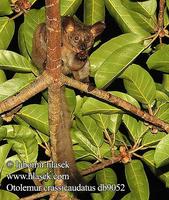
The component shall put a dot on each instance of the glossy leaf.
(4, 150)
(82, 165)
(114, 65)
(81, 153)
(69, 7)
(90, 129)
(159, 60)
(106, 177)
(3, 133)
(23, 140)
(70, 98)
(136, 128)
(13, 86)
(139, 84)
(5, 8)
(32, 19)
(148, 24)
(6, 170)
(115, 121)
(2, 76)
(148, 158)
(103, 53)
(6, 32)
(101, 120)
(22, 43)
(152, 139)
(105, 151)
(85, 143)
(163, 112)
(37, 116)
(137, 180)
(127, 197)
(92, 106)
(166, 81)
(147, 8)
(12, 61)
(4, 194)
(123, 17)
(161, 156)
(94, 11)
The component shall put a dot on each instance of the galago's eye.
(76, 38)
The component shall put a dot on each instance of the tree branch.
(32, 89)
(101, 94)
(161, 14)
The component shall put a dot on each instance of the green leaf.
(4, 150)
(161, 156)
(92, 106)
(103, 53)
(115, 121)
(86, 144)
(163, 112)
(24, 143)
(96, 196)
(6, 31)
(80, 153)
(139, 84)
(69, 7)
(127, 196)
(13, 86)
(105, 151)
(166, 81)
(3, 133)
(70, 98)
(152, 139)
(22, 43)
(37, 116)
(90, 129)
(121, 139)
(8, 195)
(5, 7)
(161, 96)
(2, 76)
(12, 61)
(106, 177)
(159, 60)
(114, 65)
(94, 11)
(123, 17)
(31, 20)
(6, 170)
(148, 158)
(146, 8)
(82, 165)
(101, 120)
(137, 180)
(148, 24)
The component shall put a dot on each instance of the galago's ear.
(98, 28)
(68, 24)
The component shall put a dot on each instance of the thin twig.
(102, 165)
